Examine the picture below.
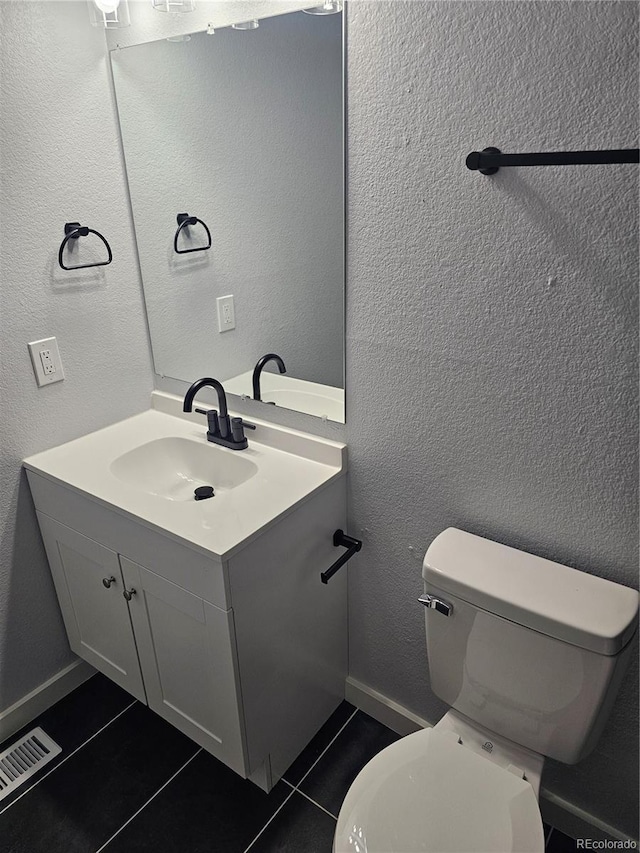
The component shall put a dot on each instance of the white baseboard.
(392, 715)
(43, 697)
(556, 811)
(577, 823)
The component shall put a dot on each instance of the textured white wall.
(243, 130)
(479, 395)
(60, 162)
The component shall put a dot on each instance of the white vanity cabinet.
(89, 586)
(187, 657)
(164, 645)
(246, 655)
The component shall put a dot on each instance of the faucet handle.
(238, 427)
(212, 420)
(237, 431)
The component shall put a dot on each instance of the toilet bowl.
(529, 655)
(435, 792)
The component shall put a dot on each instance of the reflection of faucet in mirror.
(229, 432)
(270, 356)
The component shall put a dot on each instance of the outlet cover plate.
(46, 362)
(226, 313)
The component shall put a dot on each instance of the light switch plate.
(46, 362)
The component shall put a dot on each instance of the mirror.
(242, 132)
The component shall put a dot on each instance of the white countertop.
(290, 467)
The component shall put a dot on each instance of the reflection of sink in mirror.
(311, 398)
(173, 467)
(312, 404)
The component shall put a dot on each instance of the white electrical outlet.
(46, 361)
(226, 313)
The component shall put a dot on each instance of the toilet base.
(499, 750)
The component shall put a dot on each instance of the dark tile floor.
(127, 782)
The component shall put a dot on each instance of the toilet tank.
(531, 649)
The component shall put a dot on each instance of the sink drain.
(203, 492)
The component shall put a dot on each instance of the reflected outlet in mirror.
(237, 139)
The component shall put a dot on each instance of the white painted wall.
(478, 395)
(60, 162)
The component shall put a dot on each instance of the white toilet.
(529, 654)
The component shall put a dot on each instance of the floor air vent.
(24, 758)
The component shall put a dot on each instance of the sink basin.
(303, 401)
(173, 467)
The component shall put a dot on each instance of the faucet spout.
(223, 417)
(223, 430)
(270, 356)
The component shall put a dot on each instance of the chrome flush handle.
(436, 604)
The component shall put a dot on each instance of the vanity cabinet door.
(89, 585)
(188, 659)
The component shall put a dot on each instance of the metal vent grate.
(24, 758)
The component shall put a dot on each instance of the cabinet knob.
(106, 582)
(129, 593)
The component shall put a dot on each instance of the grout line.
(307, 797)
(280, 807)
(67, 757)
(330, 744)
(144, 805)
(548, 837)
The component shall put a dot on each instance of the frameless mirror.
(236, 139)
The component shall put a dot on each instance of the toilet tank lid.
(548, 597)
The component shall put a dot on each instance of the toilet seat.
(427, 793)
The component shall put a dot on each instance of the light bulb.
(110, 14)
(329, 7)
(107, 6)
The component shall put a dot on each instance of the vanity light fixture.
(253, 24)
(110, 14)
(174, 7)
(329, 7)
